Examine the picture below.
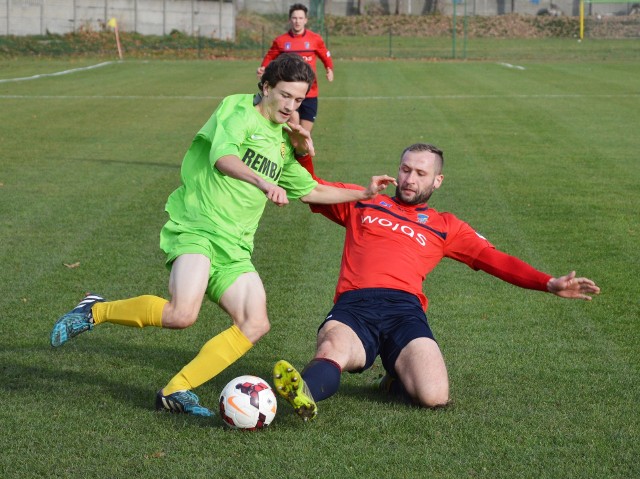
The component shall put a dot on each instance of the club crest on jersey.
(283, 149)
(306, 45)
(287, 46)
(385, 204)
(422, 218)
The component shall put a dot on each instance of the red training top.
(308, 45)
(389, 244)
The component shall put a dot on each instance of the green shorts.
(228, 259)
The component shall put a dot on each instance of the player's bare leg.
(423, 373)
(246, 302)
(187, 285)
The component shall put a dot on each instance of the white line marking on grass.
(328, 98)
(111, 97)
(509, 65)
(65, 72)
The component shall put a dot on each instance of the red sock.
(307, 163)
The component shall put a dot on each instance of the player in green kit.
(244, 156)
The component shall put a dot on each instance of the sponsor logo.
(287, 46)
(231, 401)
(261, 164)
(283, 150)
(257, 137)
(397, 227)
(385, 204)
(306, 45)
(422, 218)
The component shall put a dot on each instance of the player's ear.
(438, 181)
(265, 88)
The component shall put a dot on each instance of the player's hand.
(276, 194)
(569, 286)
(330, 75)
(300, 139)
(377, 184)
(260, 72)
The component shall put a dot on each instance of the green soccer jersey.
(213, 204)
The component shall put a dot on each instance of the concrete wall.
(215, 19)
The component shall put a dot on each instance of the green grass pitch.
(542, 159)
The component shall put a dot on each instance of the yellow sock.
(136, 312)
(217, 353)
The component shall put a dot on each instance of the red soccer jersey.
(308, 45)
(392, 245)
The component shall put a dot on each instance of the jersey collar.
(294, 35)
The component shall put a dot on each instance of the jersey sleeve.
(226, 130)
(273, 53)
(324, 54)
(511, 269)
(463, 243)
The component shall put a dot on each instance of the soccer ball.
(248, 402)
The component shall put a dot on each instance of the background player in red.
(391, 244)
(308, 45)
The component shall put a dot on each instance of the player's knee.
(433, 397)
(262, 328)
(179, 318)
(255, 328)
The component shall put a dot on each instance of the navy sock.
(322, 377)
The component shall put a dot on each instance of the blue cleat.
(76, 321)
(181, 402)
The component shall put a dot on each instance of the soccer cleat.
(383, 383)
(76, 321)
(290, 385)
(181, 402)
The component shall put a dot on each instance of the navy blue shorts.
(385, 320)
(308, 109)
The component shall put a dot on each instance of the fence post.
(453, 31)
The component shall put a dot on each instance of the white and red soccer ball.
(247, 402)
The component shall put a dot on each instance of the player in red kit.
(391, 244)
(308, 45)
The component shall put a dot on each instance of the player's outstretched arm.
(569, 286)
(328, 195)
(377, 184)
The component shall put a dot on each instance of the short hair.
(288, 67)
(426, 147)
(298, 6)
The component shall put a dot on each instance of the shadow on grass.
(102, 161)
